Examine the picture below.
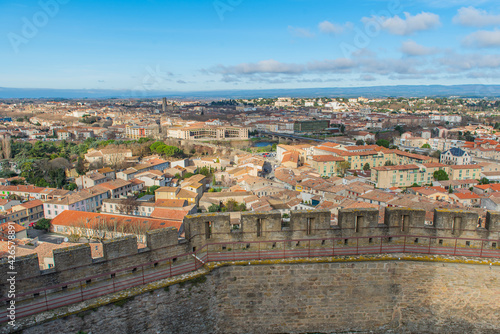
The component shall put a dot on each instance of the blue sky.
(247, 44)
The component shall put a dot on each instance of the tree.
(6, 148)
(399, 129)
(440, 175)
(214, 208)
(484, 181)
(71, 186)
(128, 206)
(343, 166)
(426, 146)
(366, 166)
(436, 154)
(43, 224)
(233, 206)
(383, 142)
(389, 163)
(360, 142)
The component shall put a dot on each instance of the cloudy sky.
(247, 44)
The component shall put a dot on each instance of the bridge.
(286, 136)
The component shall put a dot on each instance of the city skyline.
(235, 45)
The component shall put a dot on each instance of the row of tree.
(167, 150)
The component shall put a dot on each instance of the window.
(310, 222)
(208, 230)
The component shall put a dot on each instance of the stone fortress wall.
(216, 233)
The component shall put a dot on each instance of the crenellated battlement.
(257, 235)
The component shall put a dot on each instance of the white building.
(455, 156)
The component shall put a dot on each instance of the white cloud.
(367, 77)
(483, 39)
(330, 28)
(411, 48)
(457, 62)
(473, 17)
(264, 66)
(300, 32)
(329, 65)
(407, 26)
(464, 66)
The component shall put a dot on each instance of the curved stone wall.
(375, 296)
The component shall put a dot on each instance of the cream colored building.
(137, 132)
(404, 176)
(209, 133)
(326, 165)
(465, 172)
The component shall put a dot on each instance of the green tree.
(399, 129)
(214, 208)
(360, 142)
(366, 166)
(383, 142)
(343, 166)
(440, 175)
(426, 146)
(43, 224)
(71, 186)
(484, 181)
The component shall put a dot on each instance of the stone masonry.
(376, 297)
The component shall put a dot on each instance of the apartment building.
(326, 165)
(108, 156)
(464, 172)
(137, 132)
(122, 206)
(89, 200)
(404, 176)
(90, 180)
(25, 213)
(116, 188)
(132, 172)
(204, 132)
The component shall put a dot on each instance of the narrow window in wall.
(357, 222)
(208, 230)
(405, 222)
(259, 227)
(457, 221)
(310, 222)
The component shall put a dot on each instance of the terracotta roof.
(170, 214)
(166, 190)
(90, 220)
(171, 203)
(398, 167)
(5, 227)
(466, 195)
(325, 158)
(21, 188)
(465, 166)
(32, 204)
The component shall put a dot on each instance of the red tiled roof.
(325, 158)
(466, 195)
(90, 220)
(171, 214)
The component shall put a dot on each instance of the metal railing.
(76, 291)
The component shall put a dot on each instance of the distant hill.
(479, 91)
